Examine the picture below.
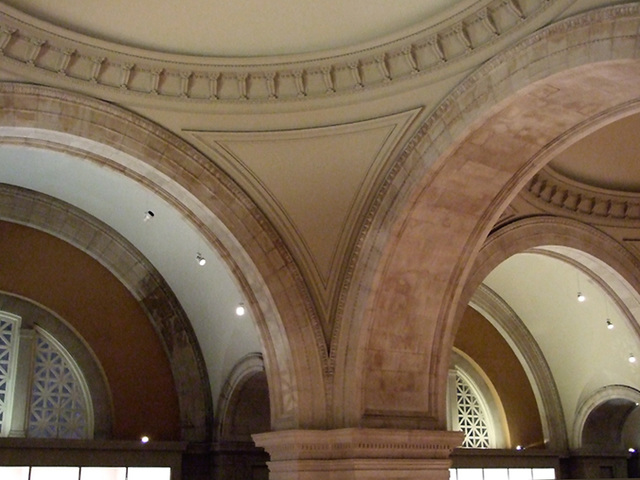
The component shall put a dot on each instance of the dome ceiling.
(608, 158)
(250, 27)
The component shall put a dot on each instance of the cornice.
(45, 49)
(554, 193)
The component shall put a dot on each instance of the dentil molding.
(26, 42)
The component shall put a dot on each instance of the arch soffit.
(598, 398)
(471, 156)
(219, 209)
(143, 281)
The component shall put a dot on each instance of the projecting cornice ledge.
(554, 193)
(47, 50)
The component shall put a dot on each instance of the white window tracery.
(59, 403)
(47, 379)
(9, 325)
(471, 414)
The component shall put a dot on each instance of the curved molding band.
(33, 44)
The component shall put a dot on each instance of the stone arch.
(249, 370)
(597, 254)
(145, 283)
(31, 315)
(444, 194)
(601, 417)
(507, 322)
(257, 259)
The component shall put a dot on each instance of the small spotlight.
(632, 358)
(609, 324)
(519, 447)
(148, 215)
(632, 450)
(581, 297)
(240, 310)
(144, 439)
(201, 260)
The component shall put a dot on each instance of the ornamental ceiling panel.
(312, 183)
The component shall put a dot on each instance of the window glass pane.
(469, 474)
(496, 474)
(519, 474)
(453, 474)
(14, 473)
(149, 473)
(54, 473)
(103, 473)
(544, 473)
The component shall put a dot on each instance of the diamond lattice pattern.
(58, 403)
(471, 417)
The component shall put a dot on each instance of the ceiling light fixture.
(144, 439)
(200, 259)
(609, 324)
(240, 310)
(148, 215)
(581, 297)
(632, 358)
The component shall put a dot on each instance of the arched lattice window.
(37, 371)
(474, 406)
(471, 414)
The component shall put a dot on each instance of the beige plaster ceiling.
(313, 182)
(245, 28)
(608, 158)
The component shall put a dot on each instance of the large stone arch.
(143, 281)
(469, 159)
(257, 259)
(601, 416)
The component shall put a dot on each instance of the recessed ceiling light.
(240, 310)
(581, 297)
(144, 439)
(148, 215)
(632, 358)
(200, 259)
(609, 324)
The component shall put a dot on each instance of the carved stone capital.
(360, 453)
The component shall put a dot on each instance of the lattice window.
(59, 399)
(9, 325)
(471, 415)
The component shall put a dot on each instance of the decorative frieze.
(22, 41)
(552, 192)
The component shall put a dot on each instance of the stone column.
(359, 454)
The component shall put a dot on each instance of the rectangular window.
(85, 473)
